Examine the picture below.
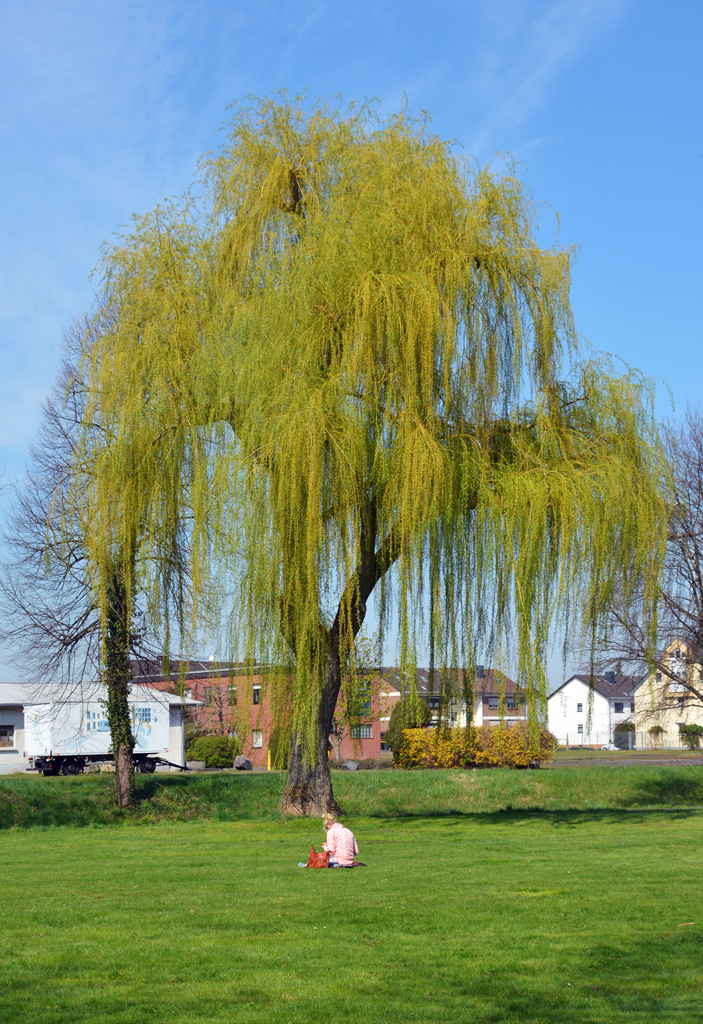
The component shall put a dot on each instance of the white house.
(585, 710)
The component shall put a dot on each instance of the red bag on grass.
(318, 860)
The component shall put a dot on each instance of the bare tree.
(52, 619)
(673, 655)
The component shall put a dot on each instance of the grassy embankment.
(484, 915)
(30, 801)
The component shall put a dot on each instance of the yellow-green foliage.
(507, 746)
(354, 344)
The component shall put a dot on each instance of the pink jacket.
(341, 844)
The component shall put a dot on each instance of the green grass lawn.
(481, 915)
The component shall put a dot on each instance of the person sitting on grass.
(341, 844)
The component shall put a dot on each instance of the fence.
(621, 740)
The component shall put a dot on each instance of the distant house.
(496, 697)
(662, 701)
(586, 709)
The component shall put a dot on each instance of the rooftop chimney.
(610, 678)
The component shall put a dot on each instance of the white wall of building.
(579, 714)
(12, 757)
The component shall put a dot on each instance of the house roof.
(152, 670)
(14, 695)
(492, 681)
(23, 694)
(622, 688)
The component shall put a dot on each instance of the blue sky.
(107, 105)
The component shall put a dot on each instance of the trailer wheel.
(148, 766)
(70, 768)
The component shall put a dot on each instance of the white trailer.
(64, 735)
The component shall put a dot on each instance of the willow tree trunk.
(309, 784)
(117, 681)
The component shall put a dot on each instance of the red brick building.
(224, 704)
(221, 691)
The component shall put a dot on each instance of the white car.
(608, 746)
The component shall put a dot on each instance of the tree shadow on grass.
(684, 786)
(557, 819)
(221, 797)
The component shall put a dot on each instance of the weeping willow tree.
(358, 370)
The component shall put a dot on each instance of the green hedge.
(215, 751)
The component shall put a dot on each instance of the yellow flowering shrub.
(506, 746)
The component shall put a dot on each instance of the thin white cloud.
(528, 47)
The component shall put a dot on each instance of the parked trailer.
(75, 764)
(67, 736)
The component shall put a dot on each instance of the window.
(433, 703)
(659, 677)
(677, 654)
(580, 729)
(257, 696)
(493, 703)
(579, 707)
(7, 735)
(511, 703)
(680, 702)
(361, 732)
(632, 706)
(143, 715)
(257, 738)
(618, 708)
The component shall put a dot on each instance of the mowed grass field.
(479, 915)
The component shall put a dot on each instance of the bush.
(409, 713)
(508, 746)
(215, 751)
(691, 735)
(656, 733)
(625, 727)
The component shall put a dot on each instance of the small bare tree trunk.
(336, 742)
(117, 679)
